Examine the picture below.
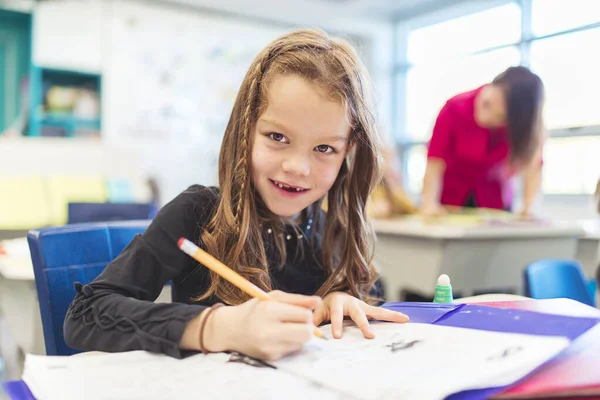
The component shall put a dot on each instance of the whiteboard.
(170, 81)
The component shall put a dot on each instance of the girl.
(302, 129)
(481, 139)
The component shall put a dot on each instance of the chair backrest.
(549, 279)
(64, 255)
(107, 212)
(592, 287)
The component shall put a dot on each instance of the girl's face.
(299, 144)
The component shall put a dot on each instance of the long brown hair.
(524, 93)
(235, 233)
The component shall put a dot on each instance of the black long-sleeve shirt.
(116, 312)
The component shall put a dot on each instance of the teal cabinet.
(64, 103)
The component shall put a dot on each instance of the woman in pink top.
(482, 139)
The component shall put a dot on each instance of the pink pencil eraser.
(180, 242)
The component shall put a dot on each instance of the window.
(429, 86)
(552, 16)
(571, 165)
(569, 65)
(465, 35)
(416, 161)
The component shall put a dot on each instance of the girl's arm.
(116, 312)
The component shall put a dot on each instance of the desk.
(22, 325)
(12, 234)
(411, 253)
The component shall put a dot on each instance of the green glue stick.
(443, 290)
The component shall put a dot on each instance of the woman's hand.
(525, 214)
(432, 210)
(337, 305)
(267, 330)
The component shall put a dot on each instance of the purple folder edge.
(17, 390)
(424, 313)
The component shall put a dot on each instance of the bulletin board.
(170, 80)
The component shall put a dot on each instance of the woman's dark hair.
(524, 92)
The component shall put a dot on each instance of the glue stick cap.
(443, 290)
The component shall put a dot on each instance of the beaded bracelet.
(203, 325)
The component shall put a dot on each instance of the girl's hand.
(267, 330)
(336, 305)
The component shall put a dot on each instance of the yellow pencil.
(227, 273)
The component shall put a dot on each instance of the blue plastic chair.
(550, 279)
(64, 255)
(108, 212)
(592, 287)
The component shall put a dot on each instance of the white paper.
(419, 361)
(404, 361)
(143, 376)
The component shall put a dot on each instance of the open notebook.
(404, 361)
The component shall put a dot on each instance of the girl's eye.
(323, 148)
(277, 137)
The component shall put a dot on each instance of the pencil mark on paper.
(509, 351)
(244, 359)
(402, 344)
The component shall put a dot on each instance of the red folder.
(573, 374)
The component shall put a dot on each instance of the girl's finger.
(383, 314)
(295, 334)
(336, 313)
(360, 319)
(293, 348)
(286, 312)
(319, 315)
(310, 302)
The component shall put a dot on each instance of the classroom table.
(12, 234)
(21, 321)
(21, 327)
(411, 252)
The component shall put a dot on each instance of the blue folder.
(458, 315)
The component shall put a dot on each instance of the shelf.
(68, 120)
(54, 90)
